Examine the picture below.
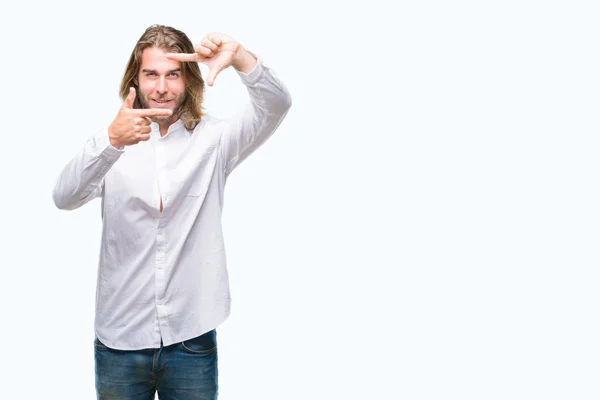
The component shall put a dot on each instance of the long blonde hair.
(173, 41)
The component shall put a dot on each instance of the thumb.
(128, 103)
(212, 74)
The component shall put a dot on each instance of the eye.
(174, 74)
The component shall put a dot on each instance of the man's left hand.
(218, 51)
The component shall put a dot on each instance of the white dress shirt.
(163, 275)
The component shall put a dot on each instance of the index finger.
(152, 112)
(183, 56)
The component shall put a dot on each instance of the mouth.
(161, 102)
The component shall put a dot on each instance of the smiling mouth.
(161, 101)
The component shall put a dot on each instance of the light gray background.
(423, 225)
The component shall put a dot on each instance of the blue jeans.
(186, 370)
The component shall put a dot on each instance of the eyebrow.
(168, 72)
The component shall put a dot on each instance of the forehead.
(154, 58)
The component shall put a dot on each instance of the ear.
(135, 80)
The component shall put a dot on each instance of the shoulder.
(209, 121)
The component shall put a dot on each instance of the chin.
(161, 118)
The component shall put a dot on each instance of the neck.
(163, 126)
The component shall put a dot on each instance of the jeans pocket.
(203, 345)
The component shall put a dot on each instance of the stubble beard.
(160, 119)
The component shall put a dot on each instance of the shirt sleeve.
(82, 179)
(250, 128)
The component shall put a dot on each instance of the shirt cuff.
(253, 76)
(105, 148)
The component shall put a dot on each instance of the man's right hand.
(131, 126)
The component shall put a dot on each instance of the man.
(160, 169)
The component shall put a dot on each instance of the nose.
(162, 85)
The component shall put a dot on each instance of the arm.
(269, 103)
(82, 179)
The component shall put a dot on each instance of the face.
(160, 83)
